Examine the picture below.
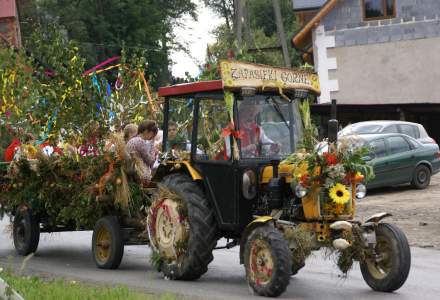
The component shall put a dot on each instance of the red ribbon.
(229, 130)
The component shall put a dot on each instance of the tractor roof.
(191, 88)
(237, 75)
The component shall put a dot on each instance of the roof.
(300, 39)
(8, 9)
(384, 122)
(307, 4)
(191, 88)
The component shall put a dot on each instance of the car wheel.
(421, 177)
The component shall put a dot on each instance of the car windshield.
(360, 129)
(265, 122)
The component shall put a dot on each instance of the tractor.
(224, 176)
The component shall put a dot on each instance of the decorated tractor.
(230, 173)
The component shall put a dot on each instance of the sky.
(196, 35)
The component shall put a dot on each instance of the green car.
(398, 159)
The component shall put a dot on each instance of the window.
(213, 119)
(180, 125)
(398, 144)
(414, 144)
(379, 9)
(378, 148)
(390, 129)
(410, 130)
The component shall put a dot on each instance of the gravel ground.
(416, 212)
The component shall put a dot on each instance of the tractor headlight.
(300, 191)
(361, 191)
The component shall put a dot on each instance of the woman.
(143, 153)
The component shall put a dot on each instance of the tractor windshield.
(270, 126)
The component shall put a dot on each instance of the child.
(142, 152)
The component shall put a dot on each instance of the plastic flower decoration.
(301, 170)
(331, 158)
(339, 194)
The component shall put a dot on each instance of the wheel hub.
(380, 265)
(422, 177)
(261, 262)
(171, 230)
(103, 242)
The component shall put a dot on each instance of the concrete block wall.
(415, 19)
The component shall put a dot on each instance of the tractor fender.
(195, 175)
(377, 217)
(260, 221)
(177, 166)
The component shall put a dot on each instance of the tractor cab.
(229, 134)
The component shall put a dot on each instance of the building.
(378, 58)
(9, 23)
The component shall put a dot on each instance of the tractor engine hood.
(284, 170)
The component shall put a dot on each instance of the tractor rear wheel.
(268, 261)
(389, 269)
(182, 228)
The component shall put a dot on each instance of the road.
(68, 255)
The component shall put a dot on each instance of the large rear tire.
(26, 231)
(268, 261)
(389, 270)
(107, 243)
(182, 228)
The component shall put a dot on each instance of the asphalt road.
(68, 255)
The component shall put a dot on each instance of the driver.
(253, 137)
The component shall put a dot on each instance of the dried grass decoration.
(300, 242)
(73, 190)
(168, 225)
(346, 257)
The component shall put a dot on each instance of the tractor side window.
(213, 121)
(180, 124)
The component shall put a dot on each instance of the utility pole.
(281, 33)
(247, 25)
(238, 8)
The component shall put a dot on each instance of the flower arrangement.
(332, 172)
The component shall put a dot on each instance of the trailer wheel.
(107, 243)
(268, 261)
(182, 228)
(26, 231)
(389, 269)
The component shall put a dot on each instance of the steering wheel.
(275, 148)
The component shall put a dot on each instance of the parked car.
(398, 158)
(413, 130)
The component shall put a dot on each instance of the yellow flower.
(339, 194)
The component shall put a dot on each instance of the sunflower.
(339, 194)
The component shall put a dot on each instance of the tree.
(101, 27)
(263, 29)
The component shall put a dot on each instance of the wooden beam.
(302, 34)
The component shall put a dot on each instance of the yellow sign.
(240, 74)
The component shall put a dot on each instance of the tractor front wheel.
(268, 261)
(388, 268)
(182, 228)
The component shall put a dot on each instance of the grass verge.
(35, 288)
